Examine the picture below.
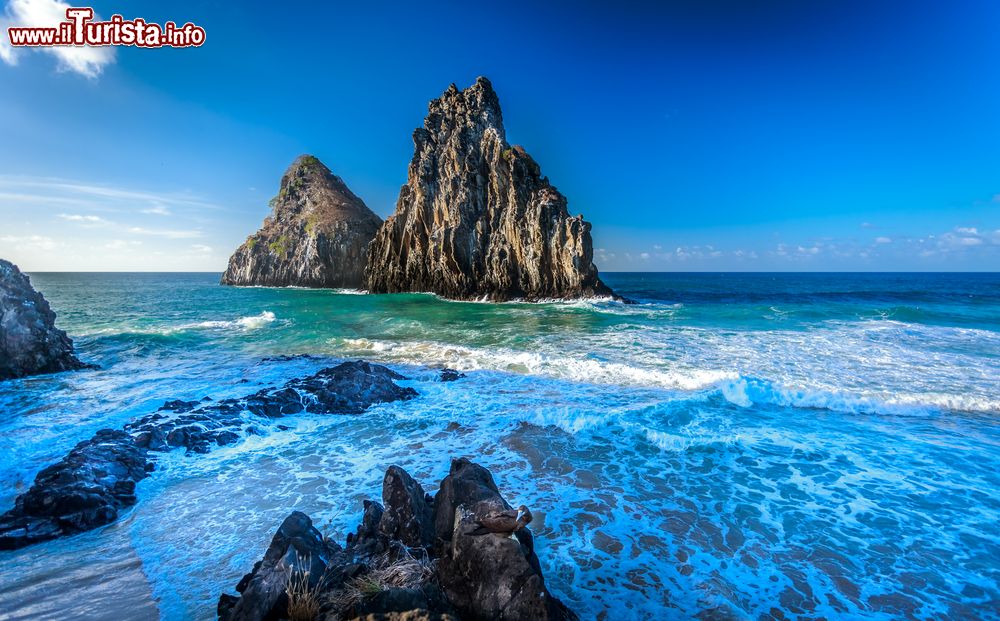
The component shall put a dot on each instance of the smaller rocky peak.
(309, 189)
(317, 234)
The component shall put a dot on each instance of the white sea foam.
(746, 392)
(247, 323)
(580, 369)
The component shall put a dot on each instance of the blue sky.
(694, 135)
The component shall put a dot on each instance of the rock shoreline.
(30, 343)
(96, 481)
(414, 556)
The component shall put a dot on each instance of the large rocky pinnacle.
(29, 341)
(476, 219)
(316, 236)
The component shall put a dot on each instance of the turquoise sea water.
(735, 446)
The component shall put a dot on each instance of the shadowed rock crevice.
(316, 236)
(476, 218)
(30, 343)
(96, 481)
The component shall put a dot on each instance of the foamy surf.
(252, 322)
(580, 369)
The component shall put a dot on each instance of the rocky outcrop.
(487, 576)
(84, 490)
(96, 480)
(476, 219)
(408, 511)
(29, 341)
(316, 236)
(393, 568)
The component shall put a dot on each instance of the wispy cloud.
(74, 217)
(30, 242)
(86, 60)
(167, 233)
(61, 191)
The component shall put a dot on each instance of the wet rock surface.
(30, 344)
(450, 375)
(84, 490)
(348, 388)
(395, 567)
(476, 218)
(316, 236)
(91, 485)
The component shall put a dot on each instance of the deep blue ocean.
(733, 446)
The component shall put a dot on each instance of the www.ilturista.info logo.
(80, 29)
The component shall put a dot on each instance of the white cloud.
(967, 230)
(30, 242)
(72, 217)
(121, 244)
(883, 240)
(168, 233)
(157, 210)
(201, 248)
(88, 61)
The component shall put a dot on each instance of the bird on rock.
(503, 522)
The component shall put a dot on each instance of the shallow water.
(735, 446)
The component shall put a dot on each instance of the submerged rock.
(476, 218)
(84, 490)
(316, 236)
(96, 480)
(393, 569)
(30, 343)
(348, 388)
(450, 375)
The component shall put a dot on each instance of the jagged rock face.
(476, 219)
(408, 516)
(29, 341)
(317, 235)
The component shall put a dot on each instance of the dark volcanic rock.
(84, 490)
(351, 387)
(487, 576)
(450, 375)
(29, 341)
(467, 483)
(97, 479)
(476, 219)
(389, 569)
(316, 236)
(409, 615)
(348, 388)
(297, 546)
(408, 515)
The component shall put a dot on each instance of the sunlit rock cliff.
(476, 218)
